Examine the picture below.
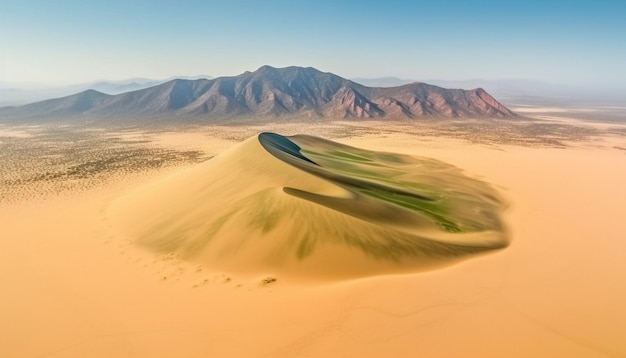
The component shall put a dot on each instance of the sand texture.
(90, 264)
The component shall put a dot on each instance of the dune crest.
(308, 206)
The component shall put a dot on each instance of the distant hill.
(20, 94)
(272, 92)
(519, 91)
(383, 81)
(121, 87)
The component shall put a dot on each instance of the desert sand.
(75, 282)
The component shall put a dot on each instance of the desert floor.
(71, 287)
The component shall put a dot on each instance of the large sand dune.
(306, 205)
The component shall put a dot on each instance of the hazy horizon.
(510, 91)
(139, 79)
(71, 42)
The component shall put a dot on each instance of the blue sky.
(60, 42)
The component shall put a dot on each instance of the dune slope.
(307, 206)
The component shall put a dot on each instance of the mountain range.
(271, 92)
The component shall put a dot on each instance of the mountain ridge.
(273, 92)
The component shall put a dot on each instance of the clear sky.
(64, 41)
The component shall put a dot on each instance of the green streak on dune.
(348, 156)
(435, 210)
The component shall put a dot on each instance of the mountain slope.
(274, 92)
(73, 105)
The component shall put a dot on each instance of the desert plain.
(76, 283)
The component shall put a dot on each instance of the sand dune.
(308, 206)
